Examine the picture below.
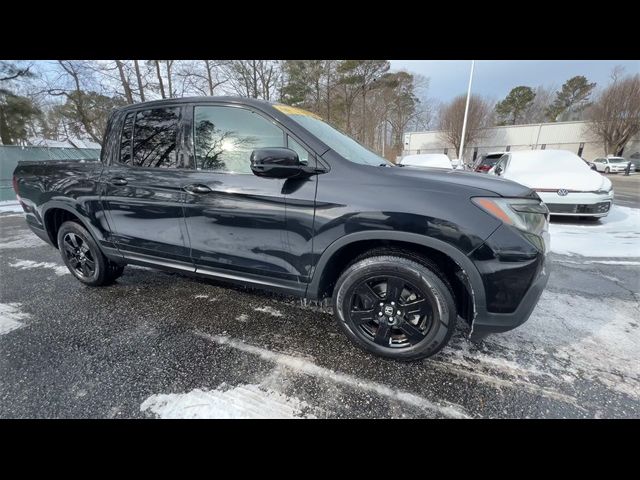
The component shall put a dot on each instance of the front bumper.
(583, 204)
(513, 275)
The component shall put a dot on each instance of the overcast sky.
(495, 78)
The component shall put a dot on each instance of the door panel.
(142, 188)
(240, 224)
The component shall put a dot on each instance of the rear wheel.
(83, 258)
(395, 307)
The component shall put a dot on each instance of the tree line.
(64, 99)
(613, 111)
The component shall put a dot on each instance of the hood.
(460, 178)
(583, 180)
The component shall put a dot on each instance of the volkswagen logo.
(562, 192)
(388, 310)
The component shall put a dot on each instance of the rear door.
(142, 187)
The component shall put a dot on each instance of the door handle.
(197, 188)
(118, 181)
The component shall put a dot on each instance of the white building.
(572, 136)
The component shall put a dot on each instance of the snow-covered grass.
(29, 264)
(10, 206)
(243, 401)
(11, 317)
(616, 235)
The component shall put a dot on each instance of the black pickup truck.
(270, 196)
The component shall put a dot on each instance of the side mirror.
(498, 170)
(276, 163)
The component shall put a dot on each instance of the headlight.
(604, 191)
(524, 214)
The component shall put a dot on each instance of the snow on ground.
(568, 337)
(270, 310)
(302, 366)
(29, 264)
(16, 237)
(616, 235)
(10, 206)
(11, 317)
(243, 401)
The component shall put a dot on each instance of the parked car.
(613, 165)
(562, 180)
(427, 160)
(487, 161)
(269, 196)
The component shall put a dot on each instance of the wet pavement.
(158, 344)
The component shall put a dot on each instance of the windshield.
(617, 160)
(336, 140)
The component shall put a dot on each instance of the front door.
(142, 189)
(236, 221)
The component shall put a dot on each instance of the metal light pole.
(466, 112)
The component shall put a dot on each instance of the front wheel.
(395, 307)
(607, 170)
(83, 258)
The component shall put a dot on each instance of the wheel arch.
(459, 269)
(55, 215)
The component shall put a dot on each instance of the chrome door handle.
(197, 188)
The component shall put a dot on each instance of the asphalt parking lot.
(159, 344)
(626, 189)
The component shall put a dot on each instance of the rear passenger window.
(154, 139)
(224, 137)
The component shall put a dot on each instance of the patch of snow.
(201, 296)
(243, 317)
(11, 317)
(270, 310)
(604, 262)
(616, 235)
(568, 337)
(303, 366)
(21, 239)
(243, 401)
(10, 206)
(29, 264)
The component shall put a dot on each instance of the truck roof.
(229, 99)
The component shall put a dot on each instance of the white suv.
(613, 165)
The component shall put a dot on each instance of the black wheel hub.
(79, 255)
(391, 312)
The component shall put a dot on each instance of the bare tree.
(538, 109)
(615, 114)
(452, 117)
(253, 78)
(69, 84)
(139, 78)
(159, 77)
(125, 81)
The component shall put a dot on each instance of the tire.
(82, 256)
(607, 170)
(427, 309)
